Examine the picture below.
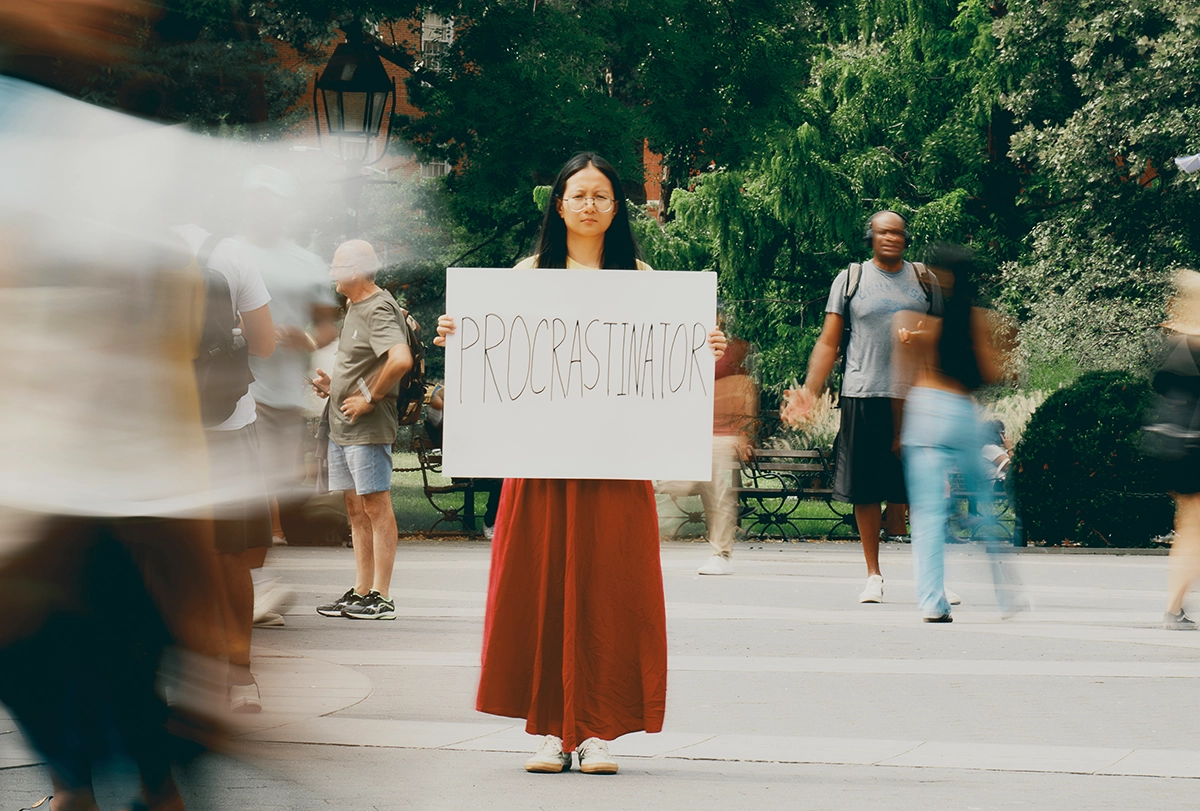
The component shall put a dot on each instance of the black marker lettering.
(662, 386)
(696, 347)
(624, 380)
(575, 357)
(555, 343)
(608, 383)
(648, 379)
(680, 330)
(525, 379)
(533, 355)
(463, 346)
(588, 346)
(487, 361)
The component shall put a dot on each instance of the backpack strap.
(927, 280)
(206, 248)
(853, 278)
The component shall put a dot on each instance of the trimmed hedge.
(1080, 478)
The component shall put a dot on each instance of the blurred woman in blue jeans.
(948, 359)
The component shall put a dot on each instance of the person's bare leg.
(238, 606)
(276, 521)
(65, 799)
(869, 517)
(896, 519)
(378, 507)
(364, 546)
(1183, 565)
(255, 557)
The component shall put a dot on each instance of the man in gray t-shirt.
(372, 358)
(868, 469)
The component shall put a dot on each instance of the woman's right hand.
(445, 327)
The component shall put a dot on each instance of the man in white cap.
(373, 357)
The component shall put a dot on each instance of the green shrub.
(1079, 475)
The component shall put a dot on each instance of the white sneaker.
(594, 757)
(717, 564)
(953, 598)
(269, 597)
(272, 619)
(489, 532)
(549, 757)
(873, 593)
(245, 698)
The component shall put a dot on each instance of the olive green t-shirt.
(372, 327)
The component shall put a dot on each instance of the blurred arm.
(259, 331)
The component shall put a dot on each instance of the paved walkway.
(776, 667)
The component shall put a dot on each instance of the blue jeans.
(941, 434)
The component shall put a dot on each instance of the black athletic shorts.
(868, 469)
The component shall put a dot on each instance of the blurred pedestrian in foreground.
(947, 358)
(858, 327)
(1176, 436)
(735, 420)
(106, 559)
(575, 637)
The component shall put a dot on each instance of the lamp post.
(352, 92)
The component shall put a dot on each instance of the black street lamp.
(353, 93)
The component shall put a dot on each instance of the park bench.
(964, 527)
(454, 501)
(777, 487)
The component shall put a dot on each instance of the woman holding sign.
(575, 637)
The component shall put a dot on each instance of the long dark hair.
(621, 250)
(956, 346)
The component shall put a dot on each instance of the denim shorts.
(361, 468)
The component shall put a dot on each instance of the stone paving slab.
(493, 737)
(784, 692)
(770, 664)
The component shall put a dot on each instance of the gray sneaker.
(372, 607)
(334, 609)
(1178, 622)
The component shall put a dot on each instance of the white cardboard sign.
(581, 374)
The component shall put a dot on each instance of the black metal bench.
(774, 485)
(453, 501)
(966, 527)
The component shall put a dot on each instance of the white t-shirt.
(297, 281)
(248, 292)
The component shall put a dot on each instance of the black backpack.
(1171, 425)
(223, 359)
(412, 387)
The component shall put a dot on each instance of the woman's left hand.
(718, 342)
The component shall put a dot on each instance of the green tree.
(1105, 92)
(204, 62)
(900, 111)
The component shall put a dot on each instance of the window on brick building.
(434, 169)
(437, 32)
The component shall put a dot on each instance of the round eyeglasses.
(603, 203)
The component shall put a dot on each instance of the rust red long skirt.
(575, 637)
